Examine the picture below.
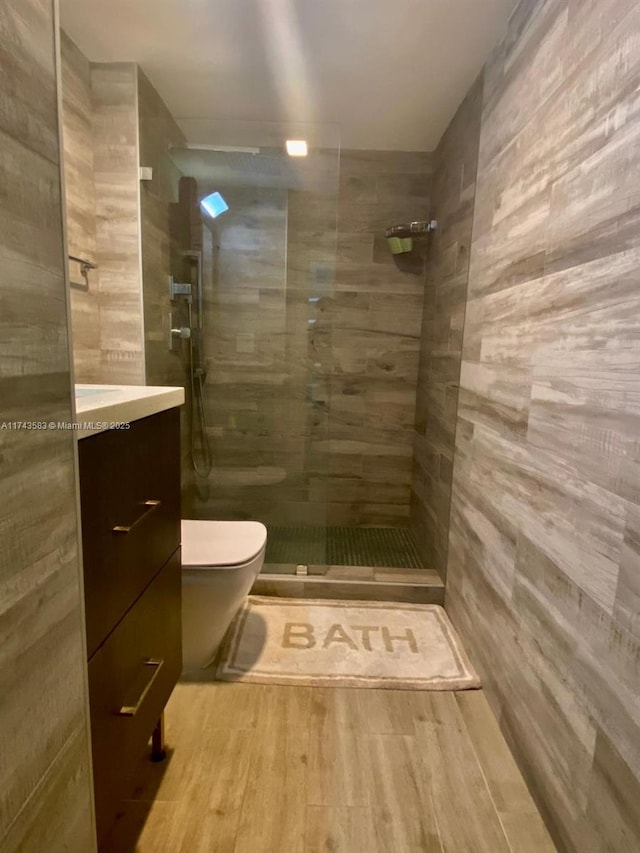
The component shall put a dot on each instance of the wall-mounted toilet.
(220, 561)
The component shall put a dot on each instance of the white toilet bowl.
(220, 561)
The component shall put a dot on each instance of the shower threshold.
(355, 583)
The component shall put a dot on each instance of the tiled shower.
(311, 341)
(311, 328)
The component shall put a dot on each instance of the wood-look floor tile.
(311, 769)
(274, 808)
(466, 816)
(523, 826)
(386, 711)
(161, 827)
(332, 708)
(340, 830)
(401, 802)
(339, 768)
(202, 799)
(218, 704)
(218, 791)
(363, 711)
(141, 827)
(289, 707)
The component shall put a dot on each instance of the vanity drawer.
(130, 680)
(130, 503)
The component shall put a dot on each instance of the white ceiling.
(390, 73)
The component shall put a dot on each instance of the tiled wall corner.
(447, 271)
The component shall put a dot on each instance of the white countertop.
(103, 407)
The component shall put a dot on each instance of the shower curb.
(429, 591)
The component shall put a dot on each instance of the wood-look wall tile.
(118, 251)
(45, 788)
(542, 565)
(601, 651)
(455, 163)
(613, 801)
(80, 208)
(34, 304)
(28, 107)
(626, 609)
(354, 248)
(345, 334)
(60, 812)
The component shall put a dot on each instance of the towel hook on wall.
(85, 266)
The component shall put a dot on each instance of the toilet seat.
(221, 543)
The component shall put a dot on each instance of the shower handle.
(184, 333)
(181, 333)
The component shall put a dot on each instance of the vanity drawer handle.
(132, 710)
(149, 506)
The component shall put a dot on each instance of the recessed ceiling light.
(296, 148)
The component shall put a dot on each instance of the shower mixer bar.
(196, 255)
(194, 333)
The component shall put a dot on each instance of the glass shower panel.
(257, 236)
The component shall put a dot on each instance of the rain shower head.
(213, 204)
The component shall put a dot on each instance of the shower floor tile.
(373, 547)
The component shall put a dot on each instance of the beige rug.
(345, 644)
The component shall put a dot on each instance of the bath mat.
(344, 644)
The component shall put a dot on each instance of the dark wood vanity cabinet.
(130, 508)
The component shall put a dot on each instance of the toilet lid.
(221, 543)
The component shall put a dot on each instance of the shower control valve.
(181, 333)
(184, 332)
